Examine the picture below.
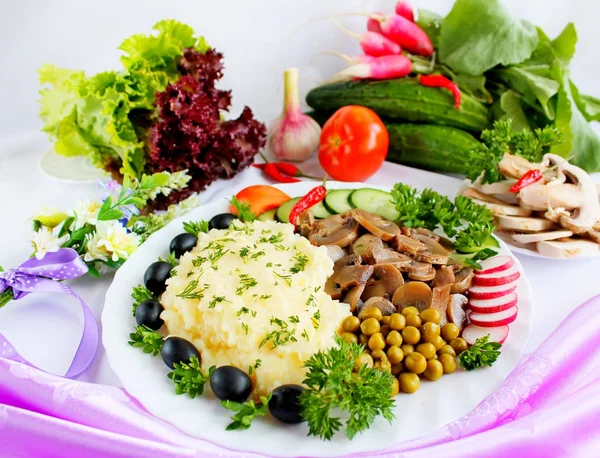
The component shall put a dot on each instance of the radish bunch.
(492, 300)
(386, 37)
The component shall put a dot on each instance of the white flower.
(86, 212)
(47, 241)
(176, 180)
(110, 241)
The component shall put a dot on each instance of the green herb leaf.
(140, 294)
(170, 259)
(332, 387)
(245, 413)
(481, 353)
(148, 340)
(243, 210)
(188, 378)
(195, 227)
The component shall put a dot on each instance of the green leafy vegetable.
(140, 294)
(170, 259)
(481, 353)
(148, 340)
(245, 413)
(332, 387)
(243, 210)
(188, 378)
(478, 35)
(195, 227)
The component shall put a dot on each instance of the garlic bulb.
(293, 136)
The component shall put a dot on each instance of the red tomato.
(354, 144)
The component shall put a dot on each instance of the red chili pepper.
(313, 197)
(530, 177)
(441, 81)
(272, 171)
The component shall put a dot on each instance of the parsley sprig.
(148, 340)
(481, 353)
(195, 227)
(243, 210)
(140, 294)
(246, 412)
(188, 378)
(332, 387)
(502, 139)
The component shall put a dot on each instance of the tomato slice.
(354, 144)
(261, 198)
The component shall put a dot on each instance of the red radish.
(491, 292)
(473, 332)
(382, 68)
(373, 24)
(495, 264)
(494, 305)
(498, 278)
(373, 43)
(491, 320)
(404, 9)
(406, 33)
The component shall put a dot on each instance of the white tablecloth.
(45, 328)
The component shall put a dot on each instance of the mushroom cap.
(384, 282)
(408, 245)
(352, 297)
(383, 304)
(413, 293)
(464, 280)
(376, 225)
(444, 276)
(435, 252)
(340, 230)
(456, 310)
(542, 197)
(366, 246)
(427, 275)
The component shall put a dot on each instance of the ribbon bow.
(44, 275)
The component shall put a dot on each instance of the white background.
(259, 38)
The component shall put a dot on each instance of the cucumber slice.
(283, 213)
(269, 215)
(336, 201)
(374, 201)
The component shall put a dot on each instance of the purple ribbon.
(36, 276)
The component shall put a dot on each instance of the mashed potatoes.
(252, 297)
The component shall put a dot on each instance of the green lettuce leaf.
(430, 22)
(103, 117)
(510, 105)
(474, 86)
(564, 44)
(588, 105)
(478, 35)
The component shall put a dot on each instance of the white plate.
(145, 377)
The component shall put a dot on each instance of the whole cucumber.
(403, 99)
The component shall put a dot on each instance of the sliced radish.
(473, 332)
(498, 278)
(496, 264)
(491, 320)
(494, 305)
(491, 292)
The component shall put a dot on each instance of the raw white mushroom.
(540, 236)
(585, 217)
(567, 249)
(541, 197)
(504, 209)
(524, 224)
(515, 166)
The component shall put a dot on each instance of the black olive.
(230, 384)
(284, 403)
(156, 275)
(182, 244)
(148, 314)
(178, 350)
(221, 221)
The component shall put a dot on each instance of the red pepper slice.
(442, 81)
(313, 197)
(530, 177)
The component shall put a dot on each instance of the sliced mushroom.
(416, 267)
(540, 236)
(585, 217)
(376, 225)
(401, 261)
(366, 246)
(408, 245)
(335, 252)
(593, 236)
(556, 214)
(435, 252)
(515, 166)
(384, 282)
(347, 272)
(383, 304)
(597, 226)
(456, 310)
(444, 276)
(414, 293)
(568, 248)
(307, 220)
(504, 209)
(352, 297)
(427, 275)
(541, 197)
(340, 230)
(464, 280)
(440, 297)
(523, 224)
(500, 187)
(473, 193)
(409, 231)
